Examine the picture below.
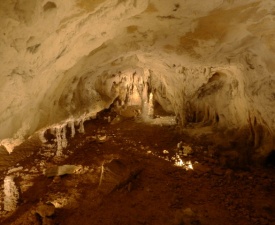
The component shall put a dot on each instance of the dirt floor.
(120, 174)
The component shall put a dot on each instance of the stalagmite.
(11, 194)
(144, 98)
(150, 106)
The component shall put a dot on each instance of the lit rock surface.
(209, 62)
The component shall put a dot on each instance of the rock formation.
(208, 62)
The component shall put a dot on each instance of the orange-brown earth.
(120, 182)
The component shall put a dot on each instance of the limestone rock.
(64, 58)
(117, 174)
(60, 170)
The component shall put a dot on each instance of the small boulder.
(187, 217)
(45, 210)
(165, 152)
(188, 212)
(60, 170)
(187, 150)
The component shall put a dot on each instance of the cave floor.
(125, 179)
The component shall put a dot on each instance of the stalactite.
(71, 125)
(53, 130)
(41, 135)
(59, 141)
(213, 116)
(64, 141)
(252, 132)
(81, 126)
(258, 131)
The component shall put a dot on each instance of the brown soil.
(121, 183)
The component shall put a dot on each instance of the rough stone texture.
(208, 62)
(124, 194)
(45, 210)
(11, 194)
(60, 170)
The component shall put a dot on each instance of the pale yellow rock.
(210, 63)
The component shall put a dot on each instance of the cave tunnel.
(110, 108)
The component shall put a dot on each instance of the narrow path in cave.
(124, 176)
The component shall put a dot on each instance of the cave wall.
(210, 63)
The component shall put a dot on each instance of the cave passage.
(137, 112)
